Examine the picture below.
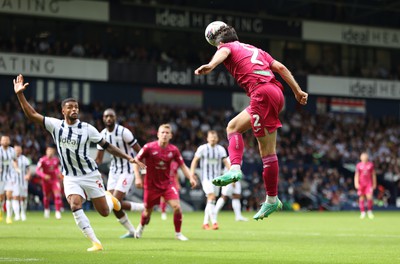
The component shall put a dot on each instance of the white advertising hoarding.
(53, 67)
(351, 34)
(76, 9)
(353, 87)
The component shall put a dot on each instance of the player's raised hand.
(19, 85)
(302, 97)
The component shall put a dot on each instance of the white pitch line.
(19, 259)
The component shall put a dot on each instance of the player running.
(253, 69)
(82, 180)
(211, 157)
(157, 156)
(121, 175)
(48, 169)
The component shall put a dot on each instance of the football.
(211, 29)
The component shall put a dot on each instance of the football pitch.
(286, 237)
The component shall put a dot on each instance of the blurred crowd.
(113, 47)
(317, 153)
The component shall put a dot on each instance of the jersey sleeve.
(268, 58)
(178, 157)
(128, 137)
(143, 152)
(222, 152)
(199, 151)
(102, 133)
(50, 123)
(93, 134)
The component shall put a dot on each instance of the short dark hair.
(67, 101)
(226, 34)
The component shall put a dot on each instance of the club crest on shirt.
(170, 155)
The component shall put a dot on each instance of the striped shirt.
(73, 143)
(7, 167)
(23, 165)
(122, 138)
(210, 160)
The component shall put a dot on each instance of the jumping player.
(253, 69)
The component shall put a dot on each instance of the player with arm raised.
(157, 156)
(253, 69)
(121, 175)
(211, 157)
(365, 183)
(48, 169)
(82, 180)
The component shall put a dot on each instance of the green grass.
(285, 237)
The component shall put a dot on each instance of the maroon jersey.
(365, 171)
(158, 164)
(48, 166)
(249, 65)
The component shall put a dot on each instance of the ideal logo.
(168, 18)
(356, 35)
(169, 76)
(68, 143)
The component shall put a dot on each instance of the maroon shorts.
(151, 197)
(266, 102)
(49, 187)
(364, 190)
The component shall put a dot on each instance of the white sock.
(23, 205)
(124, 221)
(219, 205)
(9, 208)
(237, 208)
(137, 206)
(271, 199)
(211, 212)
(206, 216)
(235, 167)
(83, 223)
(16, 208)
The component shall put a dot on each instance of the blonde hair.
(168, 126)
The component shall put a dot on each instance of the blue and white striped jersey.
(122, 138)
(23, 165)
(210, 160)
(7, 156)
(73, 145)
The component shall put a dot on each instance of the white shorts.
(2, 185)
(23, 191)
(229, 189)
(88, 186)
(11, 186)
(209, 188)
(120, 182)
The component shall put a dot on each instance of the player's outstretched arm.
(286, 75)
(113, 150)
(30, 112)
(217, 59)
